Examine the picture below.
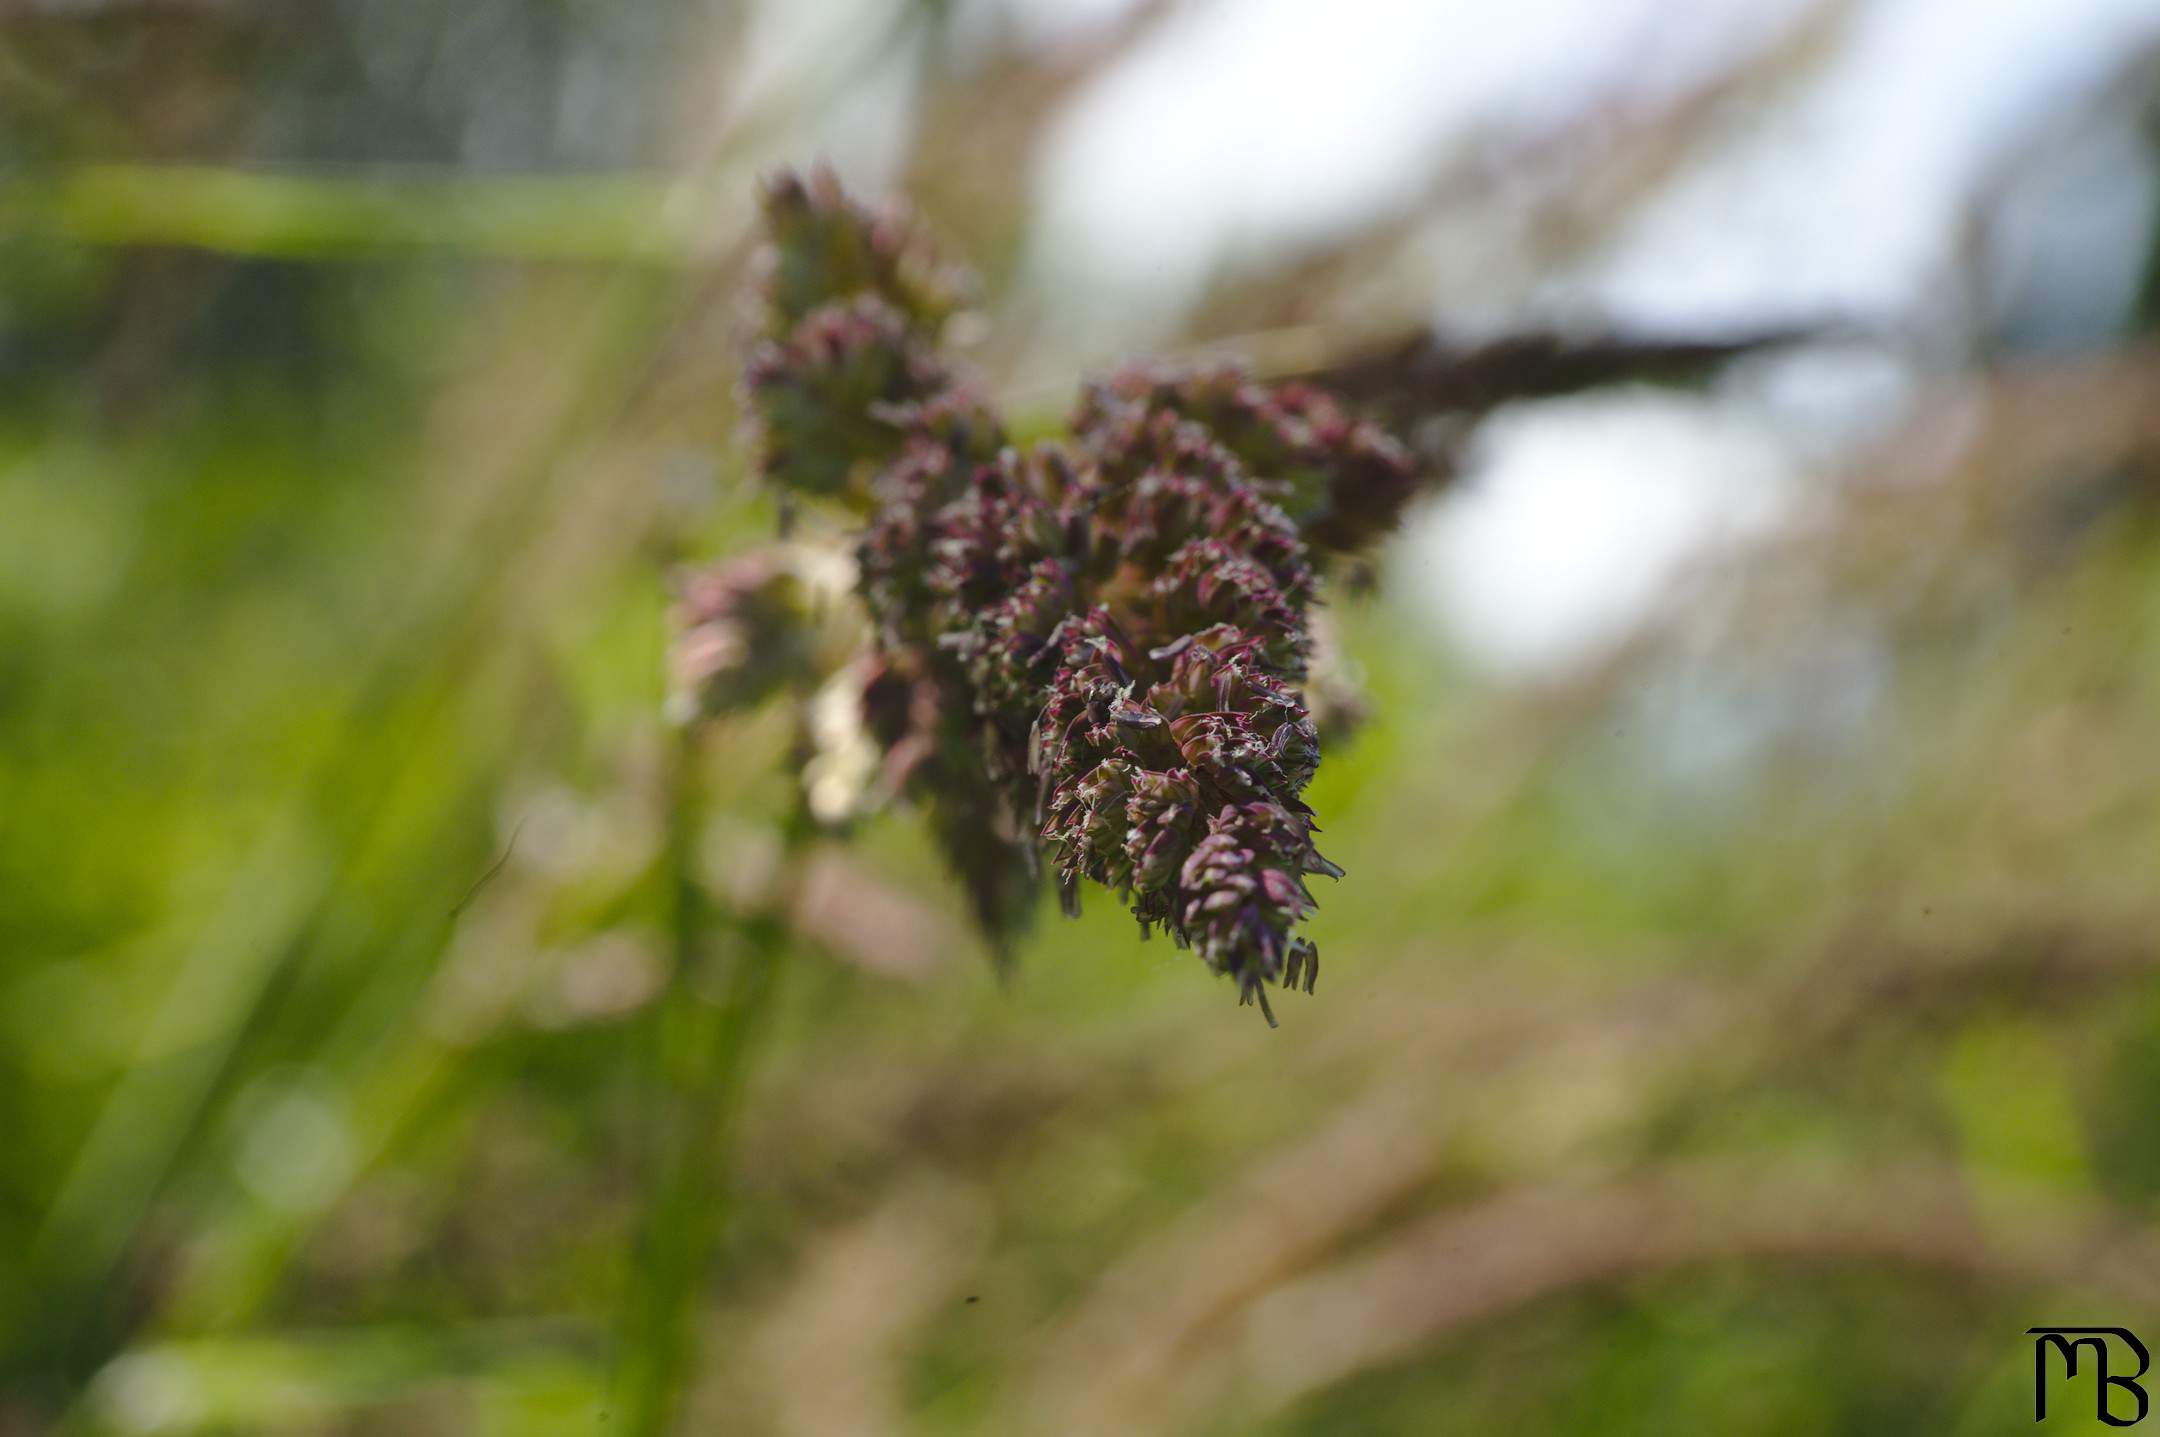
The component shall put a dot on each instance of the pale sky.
(1252, 124)
(1245, 127)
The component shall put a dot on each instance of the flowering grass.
(1087, 656)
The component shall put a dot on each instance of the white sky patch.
(1578, 516)
(1250, 123)
(1847, 201)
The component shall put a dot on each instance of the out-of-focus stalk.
(701, 1045)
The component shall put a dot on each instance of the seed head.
(1088, 653)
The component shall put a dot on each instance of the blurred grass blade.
(619, 218)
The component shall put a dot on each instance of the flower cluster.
(1090, 653)
(1343, 480)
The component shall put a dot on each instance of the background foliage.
(1751, 1028)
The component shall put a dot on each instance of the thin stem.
(702, 1050)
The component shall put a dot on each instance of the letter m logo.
(2067, 1341)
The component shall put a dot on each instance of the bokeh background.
(1740, 1014)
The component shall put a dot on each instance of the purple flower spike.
(1088, 653)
